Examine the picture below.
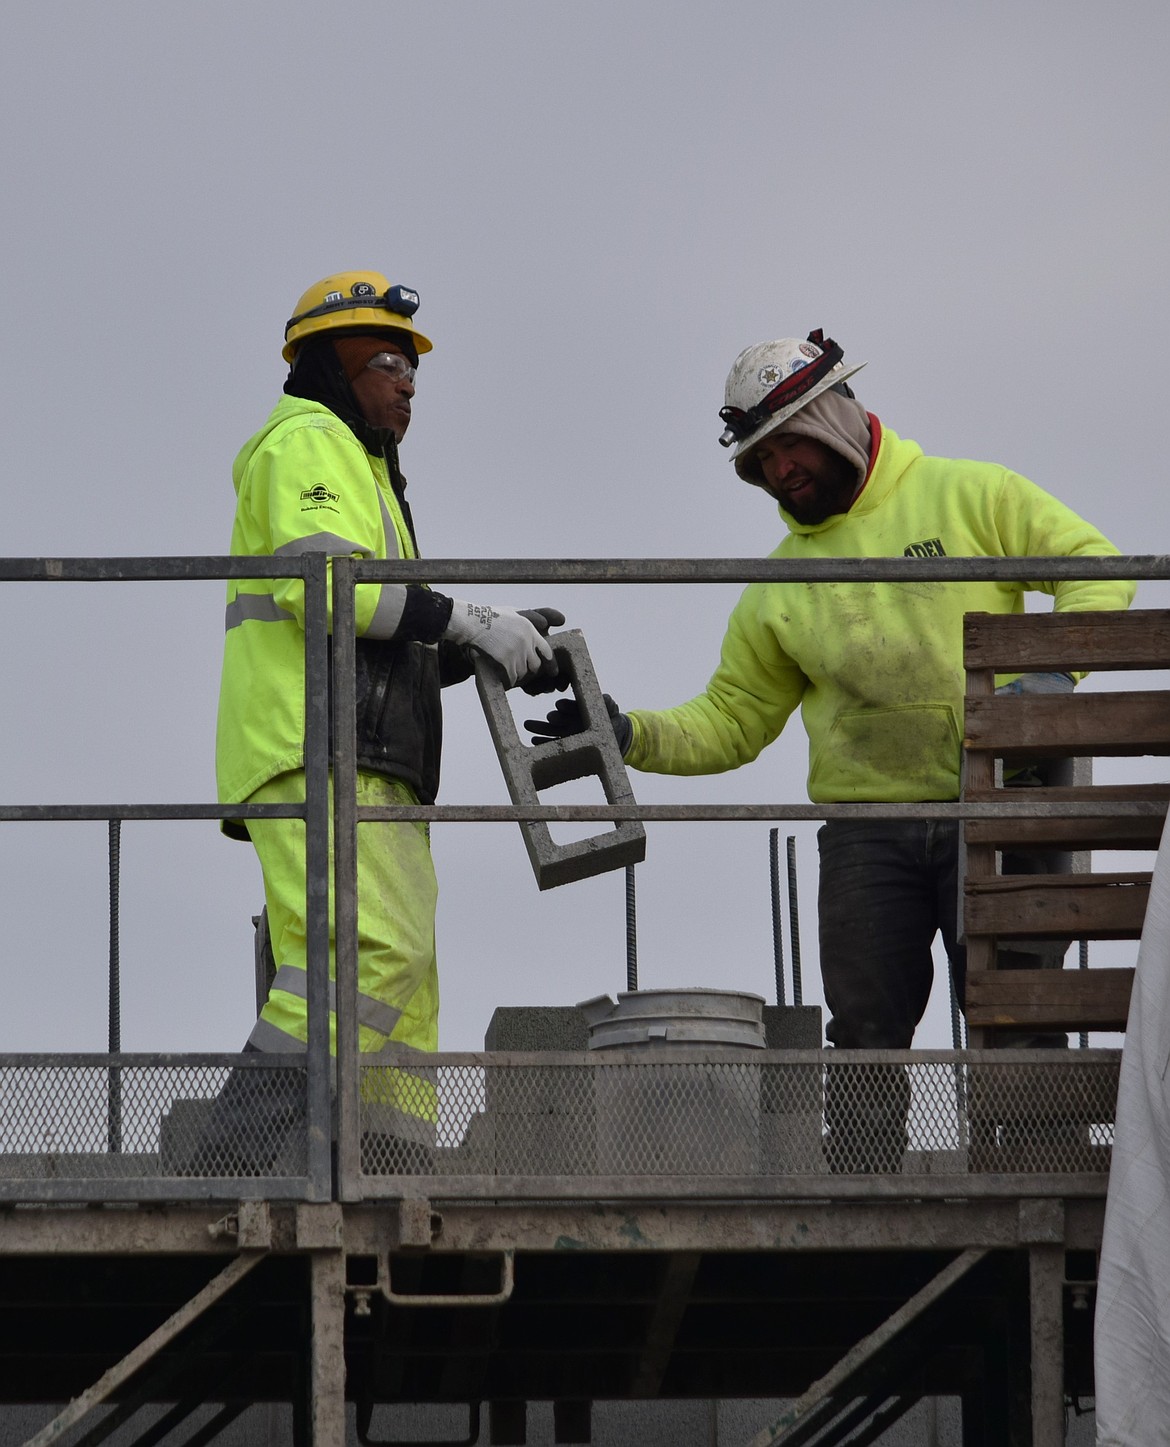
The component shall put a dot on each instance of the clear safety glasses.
(397, 368)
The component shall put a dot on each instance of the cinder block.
(537, 1027)
(540, 1122)
(791, 1102)
(528, 768)
(792, 1027)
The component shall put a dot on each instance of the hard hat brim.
(778, 419)
(360, 319)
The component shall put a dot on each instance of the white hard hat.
(771, 381)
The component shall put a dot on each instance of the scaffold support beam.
(133, 1361)
(825, 1397)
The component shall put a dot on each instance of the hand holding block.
(528, 768)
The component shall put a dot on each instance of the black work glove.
(564, 719)
(550, 678)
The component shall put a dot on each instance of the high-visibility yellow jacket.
(876, 668)
(305, 484)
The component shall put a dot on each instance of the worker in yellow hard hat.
(322, 475)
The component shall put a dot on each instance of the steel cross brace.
(122, 1371)
(824, 1399)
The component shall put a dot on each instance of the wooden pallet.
(1081, 905)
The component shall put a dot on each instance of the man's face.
(810, 481)
(385, 400)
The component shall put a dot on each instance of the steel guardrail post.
(345, 876)
(317, 872)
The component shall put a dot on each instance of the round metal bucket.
(669, 1118)
(676, 1017)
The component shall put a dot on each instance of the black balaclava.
(317, 375)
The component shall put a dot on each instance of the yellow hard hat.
(353, 301)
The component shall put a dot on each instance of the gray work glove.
(550, 678)
(564, 719)
(515, 640)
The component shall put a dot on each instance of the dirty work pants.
(398, 988)
(886, 889)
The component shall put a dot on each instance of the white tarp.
(1132, 1344)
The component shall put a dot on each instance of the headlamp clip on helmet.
(739, 423)
(398, 299)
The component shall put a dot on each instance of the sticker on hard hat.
(331, 297)
(811, 352)
(363, 288)
(768, 376)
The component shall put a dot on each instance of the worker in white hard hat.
(322, 475)
(875, 669)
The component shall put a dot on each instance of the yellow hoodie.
(875, 667)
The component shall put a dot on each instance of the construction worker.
(322, 475)
(875, 668)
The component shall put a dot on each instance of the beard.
(822, 492)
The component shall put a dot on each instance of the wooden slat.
(1100, 833)
(1069, 1089)
(1049, 999)
(1067, 642)
(1057, 906)
(1072, 834)
(1025, 727)
(1078, 794)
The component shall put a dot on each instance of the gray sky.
(600, 206)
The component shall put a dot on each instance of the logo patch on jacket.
(929, 548)
(314, 498)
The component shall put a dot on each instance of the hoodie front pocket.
(905, 751)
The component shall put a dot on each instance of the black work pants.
(886, 889)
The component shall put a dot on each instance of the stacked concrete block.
(791, 1096)
(539, 1121)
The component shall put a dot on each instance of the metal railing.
(134, 1090)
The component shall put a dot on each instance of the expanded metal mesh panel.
(740, 1118)
(94, 1122)
(761, 1114)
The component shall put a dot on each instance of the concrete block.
(528, 768)
(537, 1027)
(791, 1097)
(538, 1123)
(792, 1027)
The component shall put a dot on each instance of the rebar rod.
(794, 924)
(1083, 963)
(956, 1014)
(631, 930)
(777, 915)
(114, 1023)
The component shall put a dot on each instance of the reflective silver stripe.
(401, 1051)
(388, 613)
(295, 981)
(392, 598)
(255, 608)
(377, 1016)
(372, 1013)
(389, 533)
(273, 1039)
(322, 543)
(391, 1120)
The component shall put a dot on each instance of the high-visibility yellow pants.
(398, 986)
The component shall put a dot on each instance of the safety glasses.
(397, 368)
